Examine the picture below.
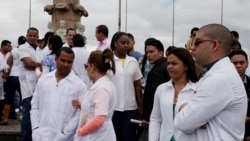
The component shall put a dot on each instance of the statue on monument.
(62, 30)
(68, 10)
(50, 26)
(80, 28)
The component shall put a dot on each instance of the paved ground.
(10, 132)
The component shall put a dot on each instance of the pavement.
(10, 132)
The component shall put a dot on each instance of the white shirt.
(81, 58)
(16, 63)
(27, 77)
(3, 65)
(124, 83)
(103, 45)
(100, 100)
(51, 106)
(161, 127)
(220, 102)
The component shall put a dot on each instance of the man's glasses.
(198, 41)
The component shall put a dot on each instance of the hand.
(145, 123)
(204, 126)
(182, 106)
(76, 103)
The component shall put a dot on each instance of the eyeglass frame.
(196, 42)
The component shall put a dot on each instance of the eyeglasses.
(198, 41)
(86, 66)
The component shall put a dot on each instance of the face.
(202, 49)
(131, 43)
(121, 45)
(97, 35)
(32, 37)
(240, 63)
(153, 54)
(64, 63)
(176, 68)
(69, 36)
(7, 48)
(89, 68)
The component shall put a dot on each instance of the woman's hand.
(76, 103)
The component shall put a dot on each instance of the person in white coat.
(81, 58)
(220, 104)
(99, 104)
(170, 95)
(53, 118)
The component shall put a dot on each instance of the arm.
(30, 64)
(94, 124)
(155, 119)
(208, 102)
(34, 113)
(138, 92)
(10, 60)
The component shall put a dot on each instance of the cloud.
(145, 18)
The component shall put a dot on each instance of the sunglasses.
(198, 41)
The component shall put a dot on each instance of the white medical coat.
(89, 105)
(220, 102)
(52, 110)
(161, 126)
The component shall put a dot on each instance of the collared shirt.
(52, 110)
(103, 44)
(220, 103)
(81, 58)
(161, 127)
(124, 83)
(27, 77)
(100, 100)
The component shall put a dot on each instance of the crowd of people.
(198, 92)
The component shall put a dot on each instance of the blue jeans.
(124, 129)
(26, 132)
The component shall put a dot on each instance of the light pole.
(30, 14)
(221, 12)
(126, 17)
(173, 25)
(119, 16)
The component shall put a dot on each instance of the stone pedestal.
(69, 11)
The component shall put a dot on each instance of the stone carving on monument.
(69, 11)
(61, 31)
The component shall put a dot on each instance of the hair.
(157, 43)
(220, 33)
(103, 29)
(33, 28)
(78, 40)
(69, 29)
(131, 36)
(21, 40)
(235, 34)
(102, 60)
(115, 38)
(65, 49)
(46, 37)
(5, 42)
(170, 48)
(187, 59)
(56, 43)
(238, 52)
(144, 59)
(193, 29)
(236, 43)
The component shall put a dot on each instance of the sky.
(144, 19)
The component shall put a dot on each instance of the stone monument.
(61, 31)
(69, 11)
